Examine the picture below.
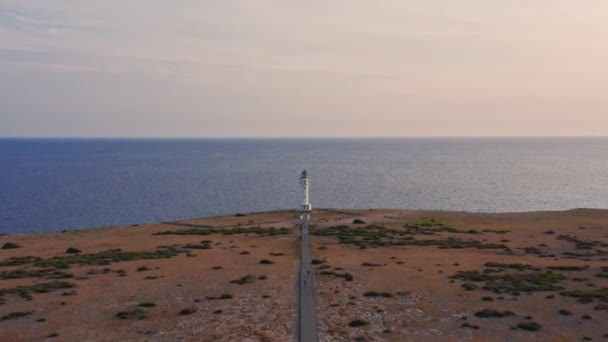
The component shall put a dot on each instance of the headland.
(381, 275)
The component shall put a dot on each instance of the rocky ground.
(438, 276)
(157, 287)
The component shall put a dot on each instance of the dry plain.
(395, 275)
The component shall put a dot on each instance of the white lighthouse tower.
(305, 206)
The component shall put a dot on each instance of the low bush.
(266, 262)
(147, 304)
(377, 294)
(16, 314)
(490, 313)
(248, 279)
(357, 323)
(137, 313)
(72, 250)
(529, 326)
(187, 311)
(11, 245)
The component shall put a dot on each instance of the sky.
(281, 68)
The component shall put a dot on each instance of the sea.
(63, 184)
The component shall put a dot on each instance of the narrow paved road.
(308, 323)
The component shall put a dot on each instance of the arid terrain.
(445, 276)
(157, 287)
(381, 275)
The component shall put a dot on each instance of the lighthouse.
(305, 206)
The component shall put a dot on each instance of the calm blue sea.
(56, 184)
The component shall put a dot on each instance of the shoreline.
(358, 211)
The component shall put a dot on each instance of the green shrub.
(72, 250)
(565, 312)
(187, 311)
(25, 291)
(44, 273)
(137, 313)
(248, 279)
(377, 294)
(490, 313)
(266, 262)
(147, 304)
(15, 315)
(357, 323)
(217, 268)
(529, 326)
(11, 245)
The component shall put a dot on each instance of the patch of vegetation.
(244, 253)
(529, 326)
(147, 304)
(487, 299)
(490, 313)
(266, 262)
(565, 312)
(18, 261)
(143, 269)
(601, 307)
(513, 283)
(11, 245)
(72, 250)
(369, 264)
(317, 262)
(277, 254)
(217, 268)
(567, 268)
(357, 323)
(196, 246)
(41, 273)
(358, 221)
(105, 258)
(234, 231)
(25, 291)
(187, 311)
(346, 276)
(262, 277)
(516, 266)
(470, 326)
(378, 236)
(532, 250)
(377, 294)
(601, 294)
(220, 297)
(137, 313)
(579, 244)
(248, 279)
(16, 314)
(603, 273)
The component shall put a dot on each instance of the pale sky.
(196, 68)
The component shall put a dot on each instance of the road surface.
(308, 323)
